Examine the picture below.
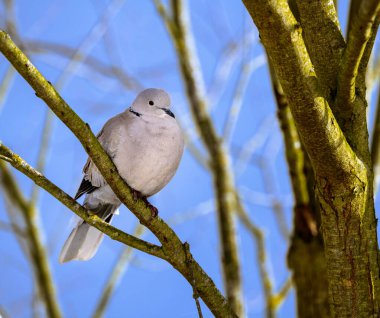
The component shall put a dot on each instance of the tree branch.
(360, 32)
(313, 117)
(306, 257)
(178, 27)
(5, 85)
(114, 233)
(116, 275)
(126, 80)
(258, 237)
(343, 176)
(324, 41)
(37, 252)
(172, 246)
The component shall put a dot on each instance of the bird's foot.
(152, 208)
(136, 194)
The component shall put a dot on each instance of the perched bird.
(146, 146)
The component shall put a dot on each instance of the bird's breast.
(148, 156)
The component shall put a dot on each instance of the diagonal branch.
(360, 32)
(319, 131)
(171, 245)
(21, 165)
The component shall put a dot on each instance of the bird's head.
(152, 101)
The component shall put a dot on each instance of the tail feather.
(84, 239)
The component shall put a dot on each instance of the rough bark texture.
(306, 257)
(334, 133)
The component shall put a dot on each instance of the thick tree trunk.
(308, 263)
(329, 112)
(306, 258)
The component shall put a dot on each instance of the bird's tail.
(84, 239)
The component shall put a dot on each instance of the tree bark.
(334, 134)
(306, 257)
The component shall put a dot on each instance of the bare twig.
(279, 298)
(246, 70)
(93, 63)
(178, 26)
(38, 254)
(89, 42)
(43, 150)
(6, 84)
(258, 237)
(270, 184)
(116, 275)
(244, 154)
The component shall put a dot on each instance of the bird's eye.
(151, 102)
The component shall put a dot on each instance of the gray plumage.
(146, 145)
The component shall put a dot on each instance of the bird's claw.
(153, 210)
(137, 195)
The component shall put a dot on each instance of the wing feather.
(108, 138)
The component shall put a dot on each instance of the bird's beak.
(168, 112)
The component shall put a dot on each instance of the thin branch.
(226, 62)
(191, 145)
(38, 255)
(16, 222)
(116, 275)
(273, 301)
(245, 73)
(163, 13)
(245, 153)
(279, 298)
(269, 181)
(172, 246)
(125, 256)
(359, 34)
(21, 165)
(13, 228)
(258, 237)
(43, 150)
(95, 34)
(126, 80)
(6, 84)
(178, 26)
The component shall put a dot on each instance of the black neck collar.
(135, 113)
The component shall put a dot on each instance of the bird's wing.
(109, 139)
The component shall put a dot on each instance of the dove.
(146, 144)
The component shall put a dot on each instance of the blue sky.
(137, 42)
